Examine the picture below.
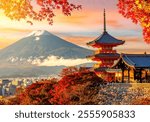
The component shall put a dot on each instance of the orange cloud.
(79, 40)
(81, 18)
(8, 30)
(130, 39)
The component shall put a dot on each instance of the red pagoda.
(105, 55)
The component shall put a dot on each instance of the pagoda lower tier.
(104, 62)
(105, 73)
(104, 59)
(104, 56)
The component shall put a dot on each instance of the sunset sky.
(83, 26)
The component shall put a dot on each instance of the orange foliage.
(68, 90)
(25, 9)
(141, 101)
(39, 93)
(69, 71)
(139, 12)
(3, 102)
(71, 87)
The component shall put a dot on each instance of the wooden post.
(128, 75)
(122, 75)
(146, 76)
(134, 74)
(140, 75)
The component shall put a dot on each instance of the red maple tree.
(72, 88)
(39, 93)
(139, 12)
(25, 9)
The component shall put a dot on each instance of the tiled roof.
(136, 60)
(106, 38)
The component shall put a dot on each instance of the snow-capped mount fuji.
(21, 58)
(42, 43)
(39, 33)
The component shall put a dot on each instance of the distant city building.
(0, 90)
(4, 82)
(3, 90)
(8, 86)
(15, 82)
(0, 81)
(12, 90)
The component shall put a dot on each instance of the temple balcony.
(105, 51)
(97, 65)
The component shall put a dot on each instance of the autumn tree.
(3, 102)
(39, 93)
(68, 71)
(139, 12)
(36, 9)
(77, 88)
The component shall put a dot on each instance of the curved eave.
(116, 62)
(129, 65)
(128, 62)
(96, 44)
(121, 58)
(90, 43)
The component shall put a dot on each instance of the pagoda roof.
(105, 55)
(101, 69)
(106, 39)
(135, 60)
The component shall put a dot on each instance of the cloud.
(133, 45)
(7, 30)
(130, 38)
(58, 61)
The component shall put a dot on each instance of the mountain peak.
(43, 43)
(39, 33)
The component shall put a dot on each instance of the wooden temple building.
(128, 68)
(105, 55)
(132, 68)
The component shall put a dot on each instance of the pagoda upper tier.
(105, 40)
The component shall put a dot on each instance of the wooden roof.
(135, 60)
(106, 39)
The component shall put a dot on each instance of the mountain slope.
(17, 59)
(43, 43)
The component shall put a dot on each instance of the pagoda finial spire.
(104, 21)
